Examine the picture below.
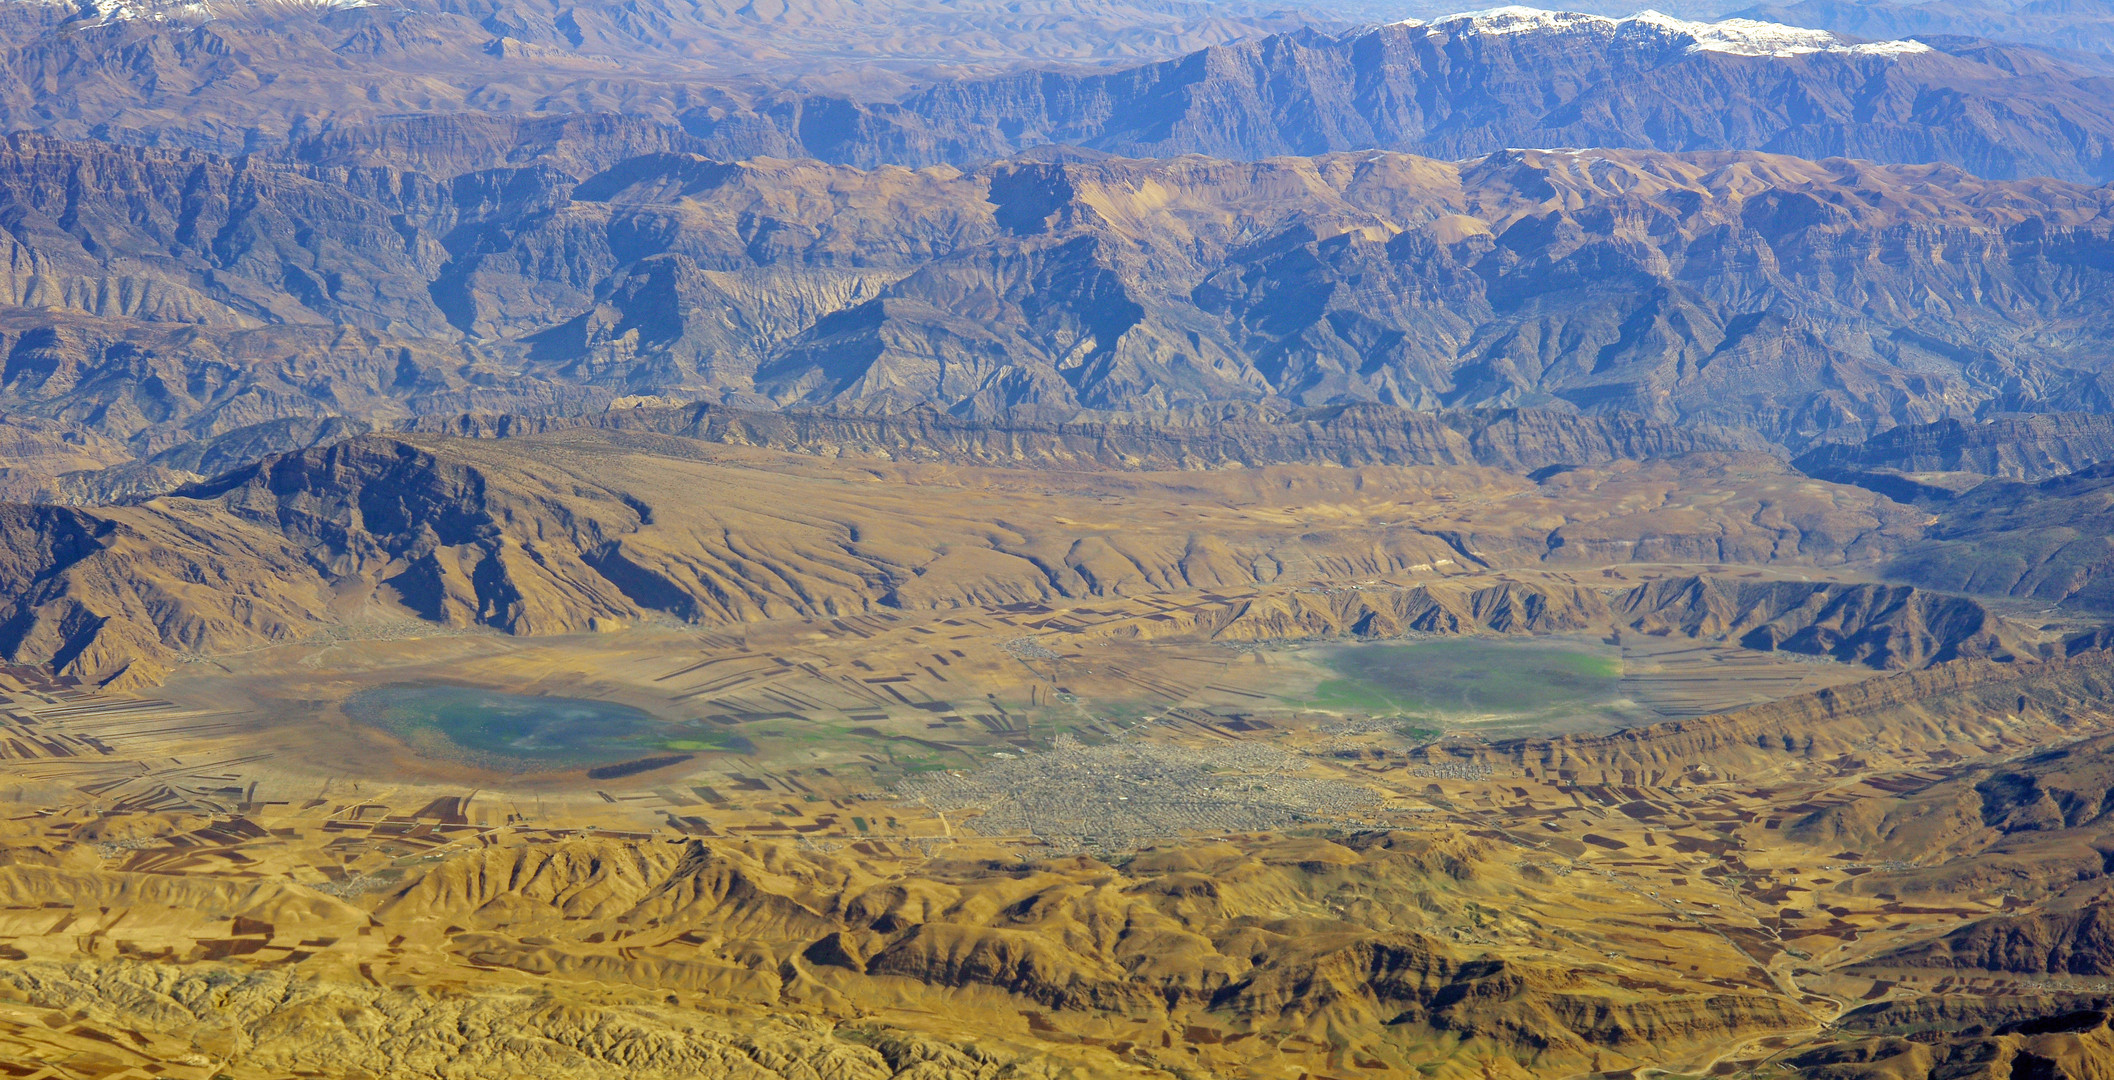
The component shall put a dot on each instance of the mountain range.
(2064, 25)
(1003, 539)
(1469, 85)
(163, 296)
(242, 77)
(371, 214)
(238, 74)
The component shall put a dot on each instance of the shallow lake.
(521, 732)
(1509, 682)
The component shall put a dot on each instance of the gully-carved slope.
(580, 530)
(1739, 289)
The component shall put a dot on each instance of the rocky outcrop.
(1221, 437)
(2031, 448)
(259, 555)
(455, 547)
(115, 597)
(1887, 627)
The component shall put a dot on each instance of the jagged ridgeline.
(701, 515)
(540, 525)
(165, 297)
(743, 82)
(1515, 440)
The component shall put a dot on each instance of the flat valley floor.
(1390, 813)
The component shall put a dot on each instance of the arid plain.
(977, 770)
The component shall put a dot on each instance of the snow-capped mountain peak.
(1739, 37)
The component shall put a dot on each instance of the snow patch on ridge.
(1737, 37)
(97, 12)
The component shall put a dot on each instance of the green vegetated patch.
(1419, 730)
(1431, 683)
(725, 742)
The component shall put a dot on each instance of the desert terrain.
(615, 753)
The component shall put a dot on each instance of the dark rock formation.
(2035, 447)
(2046, 541)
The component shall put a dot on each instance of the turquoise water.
(520, 732)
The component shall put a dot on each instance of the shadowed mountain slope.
(2046, 541)
(746, 82)
(1513, 77)
(1735, 289)
(2075, 942)
(2012, 447)
(232, 75)
(578, 530)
